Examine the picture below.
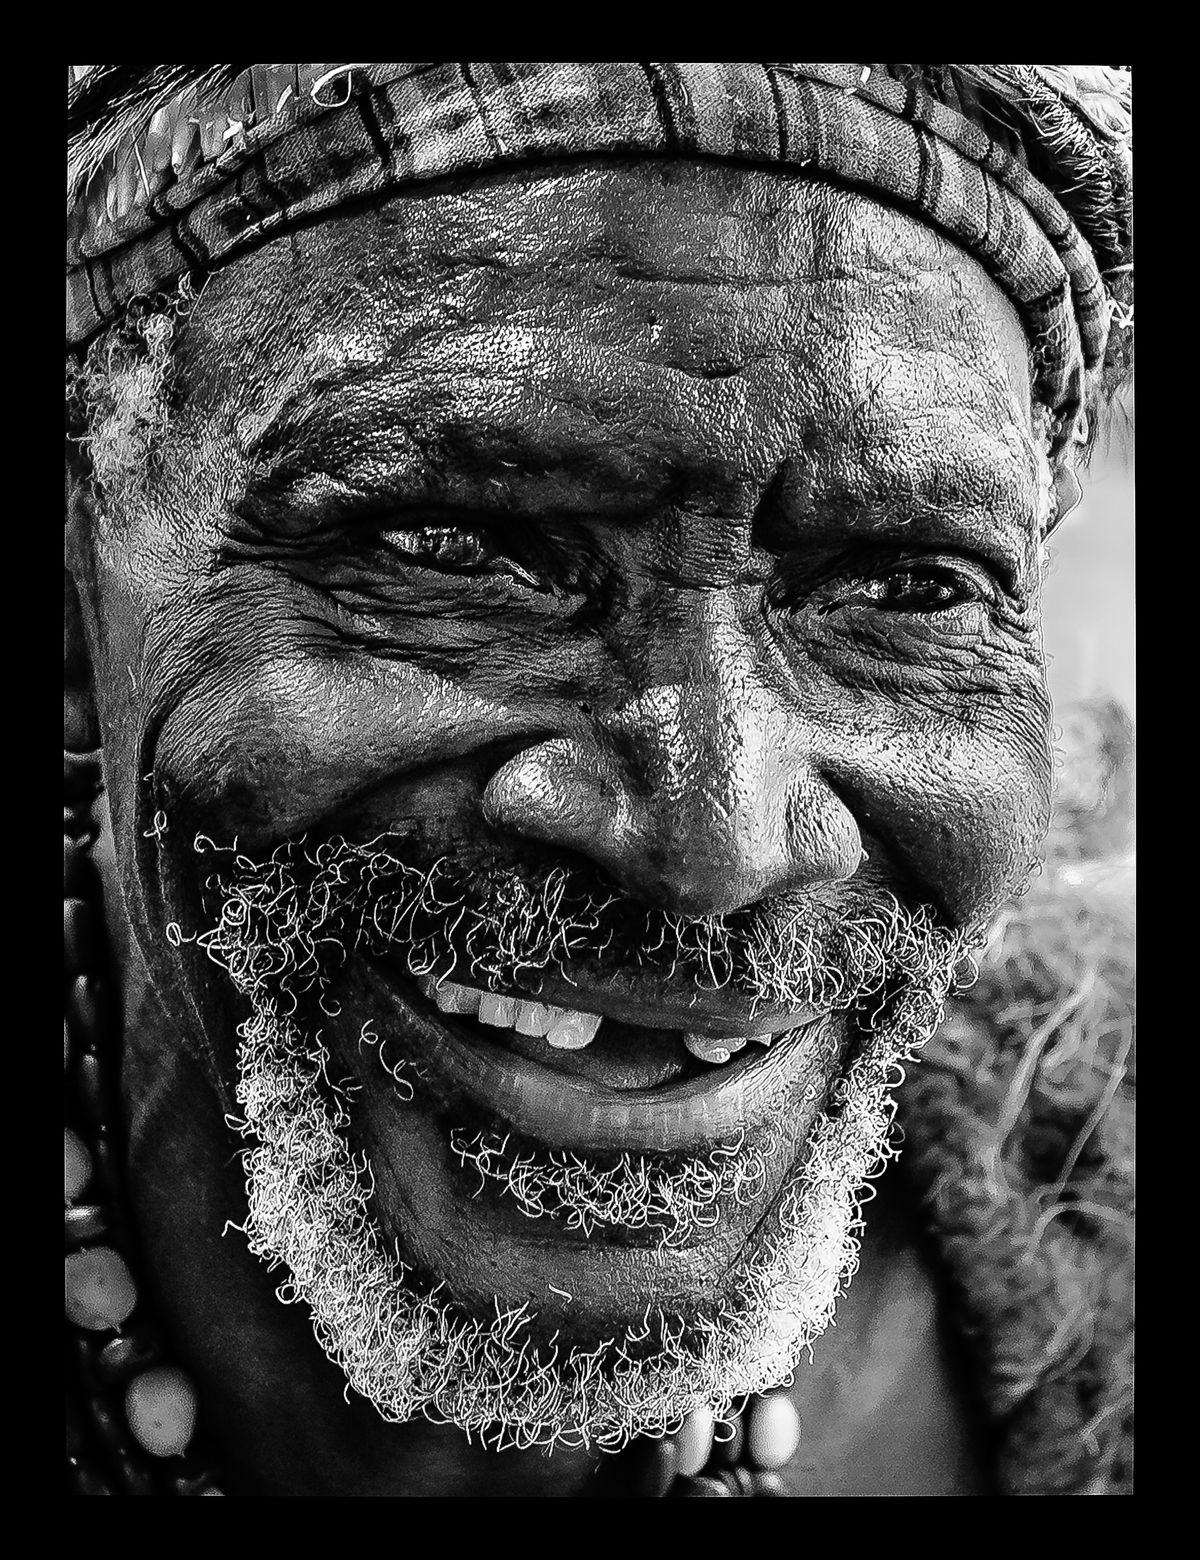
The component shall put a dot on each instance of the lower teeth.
(713, 1051)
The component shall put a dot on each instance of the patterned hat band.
(208, 175)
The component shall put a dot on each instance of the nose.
(700, 796)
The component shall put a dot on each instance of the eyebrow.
(346, 428)
(343, 438)
(937, 488)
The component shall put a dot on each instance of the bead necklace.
(131, 1413)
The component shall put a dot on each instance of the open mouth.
(623, 1072)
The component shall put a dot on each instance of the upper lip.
(645, 998)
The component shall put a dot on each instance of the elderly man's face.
(646, 560)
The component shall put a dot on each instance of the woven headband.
(214, 174)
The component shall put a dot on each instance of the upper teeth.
(562, 1028)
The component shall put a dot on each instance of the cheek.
(963, 804)
(294, 739)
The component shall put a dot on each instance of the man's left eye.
(909, 587)
(914, 589)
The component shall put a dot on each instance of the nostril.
(551, 793)
(515, 792)
(823, 838)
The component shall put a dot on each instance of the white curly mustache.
(293, 918)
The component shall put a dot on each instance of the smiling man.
(553, 573)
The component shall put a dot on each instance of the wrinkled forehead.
(585, 282)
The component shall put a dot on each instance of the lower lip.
(555, 1108)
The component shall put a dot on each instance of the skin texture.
(747, 477)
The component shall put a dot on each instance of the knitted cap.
(177, 170)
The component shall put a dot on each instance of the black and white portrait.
(598, 750)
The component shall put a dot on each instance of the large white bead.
(693, 1441)
(773, 1433)
(100, 1289)
(160, 1405)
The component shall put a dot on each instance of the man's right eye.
(439, 547)
(455, 550)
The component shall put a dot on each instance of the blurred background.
(1089, 602)
(1048, 1029)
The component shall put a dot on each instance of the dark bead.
(83, 1347)
(726, 1453)
(768, 1484)
(135, 1475)
(81, 778)
(95, 1091)
(108, 1417)
(106, 1169)
(82, 1479)
(86, 1010)
(655, 1465)
(88, 1221)
(75, 1433)
(77, 868)
(106, 1164)
(81, 730)
(738, 1481)
(702, 1487)
(125, 1356)
(81, 944)
(191, 1484)
(78, 822)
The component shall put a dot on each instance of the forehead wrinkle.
(839, 253)
(594, 395)
(516, 402)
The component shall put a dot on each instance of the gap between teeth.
(562, 1028)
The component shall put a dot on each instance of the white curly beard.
(410, 1352)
